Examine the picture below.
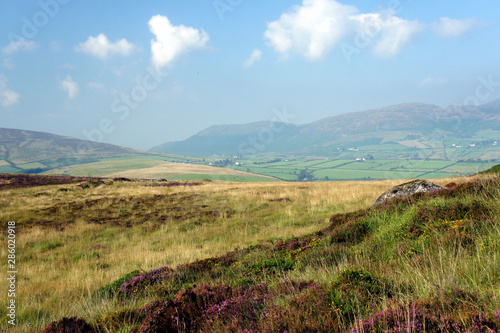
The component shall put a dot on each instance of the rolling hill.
(403, 130)
(24, 151)
(32, 152)
(156, 168)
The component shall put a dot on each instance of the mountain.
(32, 152)
(394, 130)
(229, 139)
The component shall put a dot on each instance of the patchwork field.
(325, 169)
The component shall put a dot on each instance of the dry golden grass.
(71, 262)
(168, 170)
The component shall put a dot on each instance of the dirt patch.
(281, 200)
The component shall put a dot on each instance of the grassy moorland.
(256, 257)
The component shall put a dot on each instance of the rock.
(407, 189)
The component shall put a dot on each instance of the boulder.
(407, 189)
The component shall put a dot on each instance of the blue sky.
(140, 73)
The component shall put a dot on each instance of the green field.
(227, 178)
(348, 169)
(283, 169)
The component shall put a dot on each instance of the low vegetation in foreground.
(224, 258)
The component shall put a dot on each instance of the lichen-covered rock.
(407, 189)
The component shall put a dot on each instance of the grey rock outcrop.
(407, 189)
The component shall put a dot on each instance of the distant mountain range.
(403, 129)
(411, 130)
(33, 152)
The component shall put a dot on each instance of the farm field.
(155, 168)
(325, 169)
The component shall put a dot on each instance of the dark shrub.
(414, 317)
(138, 282)
(70, 325)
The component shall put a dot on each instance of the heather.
(429, 262)
(9, 181)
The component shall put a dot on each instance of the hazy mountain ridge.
(31, 151)
(408, 121)
(231, 138)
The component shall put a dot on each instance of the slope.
(32, 152)
(424, 263)
(402, 130)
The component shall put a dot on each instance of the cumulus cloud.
(101, 47)
(70, 86)
(21, 45)
(7, 96)
(390, 33)
(312, 29)
(316, 27)
(255, 56)
(453, 28)
(171, 41)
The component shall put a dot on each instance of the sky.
(142, 73)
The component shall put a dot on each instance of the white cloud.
(171, 41)
(21, 45)
(7, 96)
(101, 47)
(255, 56)
(318, 26)
(70, 86)
(389, 33)
(312, 29)
(453, 28)
(433, 81)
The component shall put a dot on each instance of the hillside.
(198, 257)
(494, 169)
(156, 168)
(398, 131)
(231, 140)
(24, 151)
(31, 152)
